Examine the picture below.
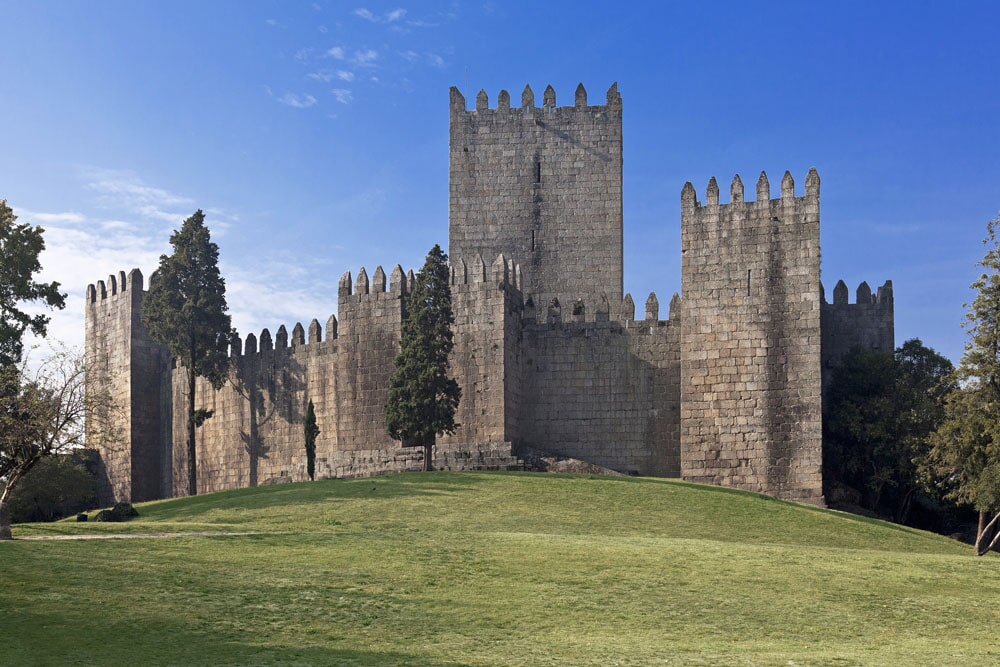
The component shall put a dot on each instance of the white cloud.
(365, 57)
(323, 30)
(297, 101)
(409, 55)
(435, 60)
(336, 52)
(68, 218)
(124, 191)
(388, 17)
(343, 95)
(326, 76)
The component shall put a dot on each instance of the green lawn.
(496, 569)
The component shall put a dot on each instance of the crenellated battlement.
(738, 208)
(503, 271)
(527, 109)
(299, 341)
(599, 313)
(863, 295)
(115, 285)
(377, 287)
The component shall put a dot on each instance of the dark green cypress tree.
(185, 310)
(422, 398)
(311, 433)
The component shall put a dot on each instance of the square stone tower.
(751, 413)
(542, 186)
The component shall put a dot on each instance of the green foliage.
(185, 308)
(497, 569)
(20, 246)
(880, 412)
(311, 432)
(422, 398)
(964, 459)
(55, 487)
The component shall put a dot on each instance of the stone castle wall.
(601, 390)
(542, 185)
(547, 352)
(750, 344)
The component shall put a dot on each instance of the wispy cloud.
(297, 101)
(388, 17)
(343, 95)
(124, 191)
(326, 76)
(336, 52)
(69, 218)
(365, 57)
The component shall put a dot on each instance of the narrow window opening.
(748, 282)
(532, 240)
(538, 171)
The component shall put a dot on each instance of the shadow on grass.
(66, 638)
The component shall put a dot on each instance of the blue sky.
(315, 134)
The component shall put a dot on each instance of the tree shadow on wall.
(273, 384)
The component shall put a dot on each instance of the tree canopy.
(964, 460)
(20, 247)
(422, 397)
(880, 411)
(185, 310)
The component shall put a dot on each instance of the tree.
(422, 398)
(55, 487)
(880, 412)
(42, 414)
(964, 460)
(311, 433)
(185, 310)
(20, 246)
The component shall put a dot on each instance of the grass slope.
(499, 569)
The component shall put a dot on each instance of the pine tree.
(185, 310)
(965, 455)
(422, 398)
(311, 433)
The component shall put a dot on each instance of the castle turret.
(122, 359)
(542, 185)
(750, 342)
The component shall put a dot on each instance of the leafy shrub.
(119, 513)
(57, 486)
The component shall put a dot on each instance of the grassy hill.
(496, 569)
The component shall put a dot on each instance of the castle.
(548, 351)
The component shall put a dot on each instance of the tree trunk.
(5, 520)
(428, 455)
(192, 461)
(983, 541)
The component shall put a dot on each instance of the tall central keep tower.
(541, 185)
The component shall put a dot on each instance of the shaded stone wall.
(750, 346)
(120, 357)
(868, 324)
(486, 303)
(601, 390)
(542, 185)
